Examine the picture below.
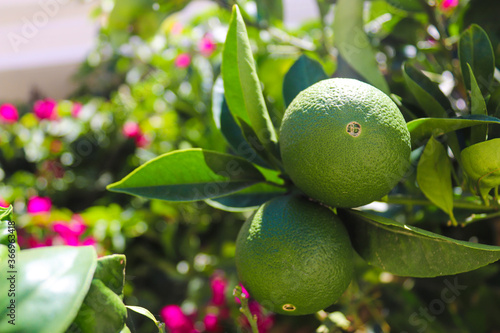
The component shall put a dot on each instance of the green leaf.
(6, 213)
(474, 48)
(354, 45)
(408, 5)
(229, 128)
(103, 309)
(434, 176)
(481, 163)
(304, 73)
(478, 107)
(270, 10)
(51, 283)
(427, 93)
(242, 86)
(189, 175)
(423, 128)
(144, 312)
(111, 271)
(247, 199)
(410, 251)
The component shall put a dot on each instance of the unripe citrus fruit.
(344, 142)
(294, 256)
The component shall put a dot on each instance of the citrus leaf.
(51, 282)
(427, 93)
(228, 126)
(304, 73)
(102, 309)
(353, 43)
(125, 329)
(144, 312)
(434, 176)
(189, 175)
(6, 213)
(423, 128)
(408, 5)
(242, 86)
(410, 251)
(474, 48)
(481, 162)
(247, 199)
(478, 107)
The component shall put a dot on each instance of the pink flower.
(218, 285)
(207, 46)
(264, 321)
(244, 292)
(45, 109)
(212, 324)
(34, 242)
(183, 60)
(76, 109)
(131, 130)
(4, 203)
(39, 205)
(70, 232)
(8, 113)
(448, 4)
(176, 321)
(141, 140)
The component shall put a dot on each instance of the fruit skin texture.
(331, 164)
(294, 251)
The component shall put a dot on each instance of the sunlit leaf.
(434, 176)
(189, 175)
(353, 43)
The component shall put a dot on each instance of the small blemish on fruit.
(289, 307)
(353, 129)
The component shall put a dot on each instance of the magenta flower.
(8, 113)
(244, 292)
(3, 203)
(141, 140)
(212, 324)
(131, 130)
(34, 242)
(207, 46)
(176, 321)
(45, 109)
(218, 285)
(449, 4)
(264, 321)
(38, 205)
(183, 60)
(70, 232)
(76, 109)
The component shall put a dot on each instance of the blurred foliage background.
(147, 89)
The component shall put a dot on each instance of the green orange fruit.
(294, 256)
(344, 142)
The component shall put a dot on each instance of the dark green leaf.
(481, 163)
(189, 175)
(304, 73)
(423, 128)
(410, 251)
(102, 311)
(353, 44)
(427, 93)
(242, 86)
(478, 107)
(474, 48)
(434, 176)
(408, 5)
(247, 199)
(51, 283)
(229, 128)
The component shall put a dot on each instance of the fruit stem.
(252, 319)
(461, 204)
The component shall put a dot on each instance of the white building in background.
(43, 42)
